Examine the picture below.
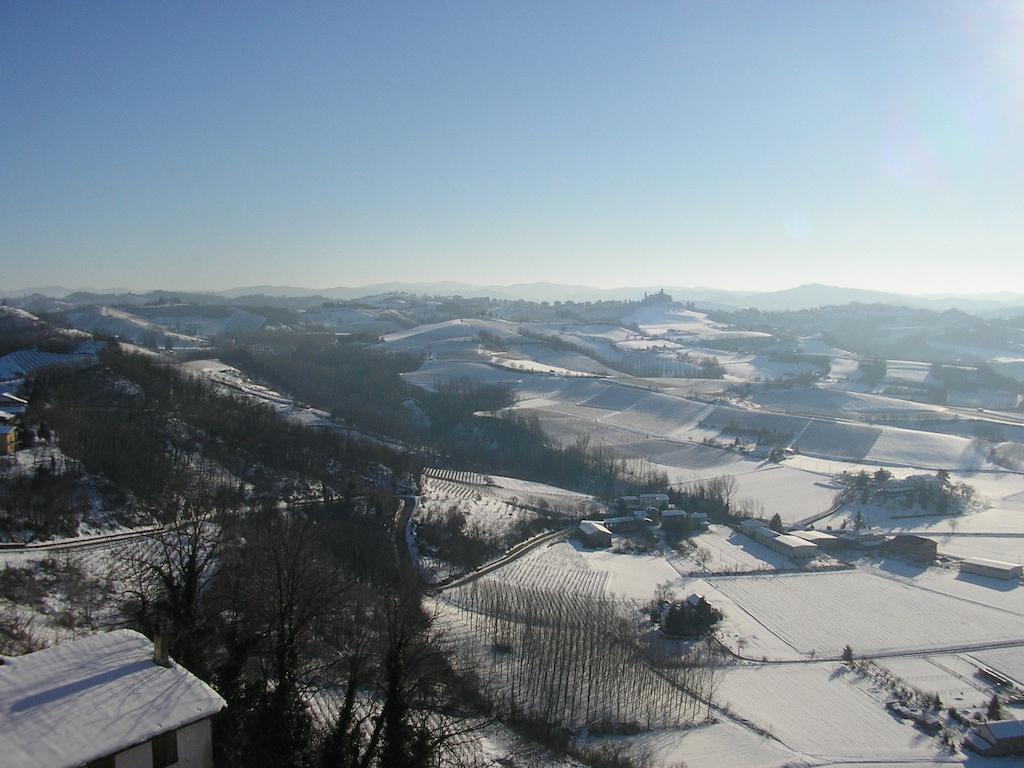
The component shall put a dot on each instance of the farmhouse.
(624, 523)
(998, 737)
(104, 701)
(917, 547)
(659, 500)
(866, 538)
(594, 534)
(628, 502)
(648, 514)
(997, 569)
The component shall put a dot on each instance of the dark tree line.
(145, 425)
(715, 497)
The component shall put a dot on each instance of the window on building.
(165, 749)
(101, 762)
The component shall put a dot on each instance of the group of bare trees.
(714, 496)
(573, 661)
(278, 609)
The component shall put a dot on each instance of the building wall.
(195, 749)
(139, 756)
(195, 745)
(596, 539)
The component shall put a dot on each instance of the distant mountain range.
(801, 297)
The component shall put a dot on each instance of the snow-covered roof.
(89, 698)
(910, 538)
(1005, 729)
(813, 536)
(13, 398)
(623, 519)
(984, 562)
(593, 526)
(6, 430)
(793, 542)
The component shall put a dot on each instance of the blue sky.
(729, 144)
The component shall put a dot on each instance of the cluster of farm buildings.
(633, 512)
(800, 545)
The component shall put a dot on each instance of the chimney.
(160, 654)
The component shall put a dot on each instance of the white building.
(793, 547)
(820, 539)
(997, 569)
(102, 702)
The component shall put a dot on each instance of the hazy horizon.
(746, 146)
(1007, 296)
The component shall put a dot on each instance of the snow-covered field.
(953, 677)
(660, 320)
(116, 322)
(1007, 661)
(821, 612)
(633, 577)
(721, 550)
(25, 362)
(1007, 595)
(236, 382)
(435, 373)
(829, 402)
(996, 547)
(495, 506)
(718, 745)
(557, 567)
(824, 711)
(504, 360)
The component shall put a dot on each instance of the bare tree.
(168, 576)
